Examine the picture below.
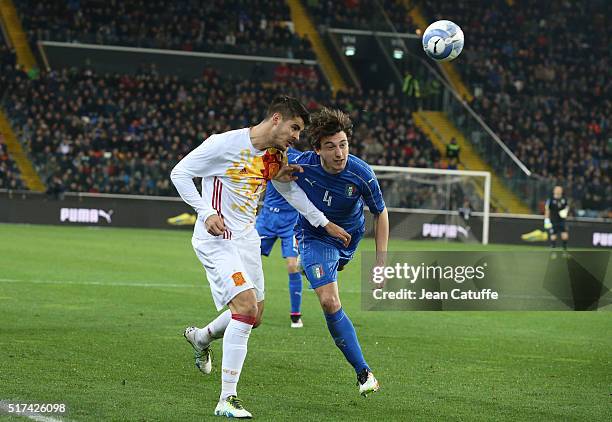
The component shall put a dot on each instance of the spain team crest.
(272, 161)
(238, 279)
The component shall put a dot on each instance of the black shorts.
(557, 227)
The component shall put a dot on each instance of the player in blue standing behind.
(277, 220)
(338, 184)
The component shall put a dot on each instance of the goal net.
(449, 205)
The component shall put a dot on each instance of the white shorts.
(232, 266)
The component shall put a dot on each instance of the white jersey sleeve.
(201, 162)
(297, 198)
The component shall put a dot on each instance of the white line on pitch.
(101, 283)
(35, 416)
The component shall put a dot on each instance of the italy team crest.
(350, 189)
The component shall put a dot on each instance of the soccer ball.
(443, 41)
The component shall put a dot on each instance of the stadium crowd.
(122, 133)
(10, 177)
(7, 66)
(259, 27)
(119, 133)
(361, 14)
(546, 92)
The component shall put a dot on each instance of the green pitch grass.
(93, 318)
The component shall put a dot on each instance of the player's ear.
(277, 118)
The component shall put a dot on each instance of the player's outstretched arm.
(381, 236)
(298, 199)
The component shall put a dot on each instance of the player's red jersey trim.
(216, 203)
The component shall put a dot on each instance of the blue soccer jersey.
(340, 196)
(275, 200)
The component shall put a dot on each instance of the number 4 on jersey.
(327, 198)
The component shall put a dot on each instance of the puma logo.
(106, 215)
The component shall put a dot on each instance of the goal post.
(440, 193)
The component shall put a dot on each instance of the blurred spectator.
(412, 90)
(55, 187)
(452, 154)
(8, 66)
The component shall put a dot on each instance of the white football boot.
(231, 407)
(202, 355)
(296, 321)
(367, 383)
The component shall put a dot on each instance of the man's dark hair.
(327, 122)
(288, 107)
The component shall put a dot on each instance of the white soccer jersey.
(234, 175)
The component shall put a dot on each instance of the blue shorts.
(321, 258)
(272, 224)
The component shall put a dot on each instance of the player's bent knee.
(292, 266)
(246, 310)
(258, 322)
(330, 304)
(244, 303)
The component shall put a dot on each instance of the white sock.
(234, 352)
(214, 330)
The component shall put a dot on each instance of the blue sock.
(295, 293)
(342, 330)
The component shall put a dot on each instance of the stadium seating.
(7, 66)
(361, 14)
(544, 92)
(9, 174)
(551, 111)
(122, 133)
(257, 27)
